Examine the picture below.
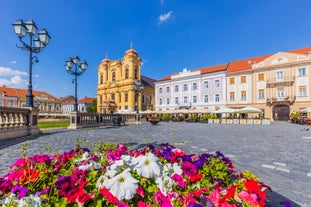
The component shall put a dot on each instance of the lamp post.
(138, 87)
(40, 41)
(79, 68)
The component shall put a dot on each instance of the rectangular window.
(261, 94)
(185, 87)
(261, 76)
(243, 79)
(217, 83)
(280, 94)
(279, 75)
(243, 95)
(126, 97)
(11, 104)
(194, 86)
(302, 91)
(185, 99)
(168, 89)
(194, 99)
(301, 72)
(205, 84)
(144, 99)
(160, 102)
(1, 103)
(176, 88)
(217, 97)
(231, 96)
(205, 98)
(231, 80)
(160, 90)
(168, 101)
(176, 100)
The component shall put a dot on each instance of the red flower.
(253, 187)
(230, 194)
(111, 198)
(196, 177)
(140, 191)
(29, 175)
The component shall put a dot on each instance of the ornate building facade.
(278, 84)
(115, 91)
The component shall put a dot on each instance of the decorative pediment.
(278, 59)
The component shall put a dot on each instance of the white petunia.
(91, 165)
(148, 166)
(164, 183)
(129, 160)
(170, 169)
(123, 185)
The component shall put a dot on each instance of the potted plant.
(193, 117)
(204, 118)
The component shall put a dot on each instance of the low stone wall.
(18, 122)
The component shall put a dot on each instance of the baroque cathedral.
(122, 88)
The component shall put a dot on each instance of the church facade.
(122, 88)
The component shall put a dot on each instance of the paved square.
(278, 153)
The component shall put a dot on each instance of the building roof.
(246, 64)
(21, 93)
(86, 100)
(304, 51)
(12, 92)
(147, 81)
(210, 69)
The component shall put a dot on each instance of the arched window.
(101, 79)
(126, 73)
(113, 76)
(112, 96)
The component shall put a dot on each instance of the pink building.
(199, 89)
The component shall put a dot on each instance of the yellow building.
(116, 80)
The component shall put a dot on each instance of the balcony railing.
(287, 79)
(281, 99)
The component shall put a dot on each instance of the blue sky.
(169, 35)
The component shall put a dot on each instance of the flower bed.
(112, 175)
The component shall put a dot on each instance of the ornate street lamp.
(79, 68)
(40, 41)
(138, 87)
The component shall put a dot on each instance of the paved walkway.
(278, 153)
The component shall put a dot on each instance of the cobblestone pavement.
(278, 153)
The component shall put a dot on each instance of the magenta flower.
(189, 169)
(20, 191)
(179, 180)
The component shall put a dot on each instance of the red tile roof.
(246, 64)
(86, 100)
(210, 69)
(21, 93)
(304, 51)
(12, 92)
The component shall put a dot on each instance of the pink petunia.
(179, 180)
(189, 169)
(250, 198)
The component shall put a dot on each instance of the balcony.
(285, 80)
(272, 100)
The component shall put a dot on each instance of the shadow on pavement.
(276, 200)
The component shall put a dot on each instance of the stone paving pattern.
(278, 153)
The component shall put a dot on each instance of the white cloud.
(164, 17)
(13, 62)
(13, 78)
(7, 72)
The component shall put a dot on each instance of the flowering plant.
(112, 175)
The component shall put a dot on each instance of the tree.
(92, 108)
